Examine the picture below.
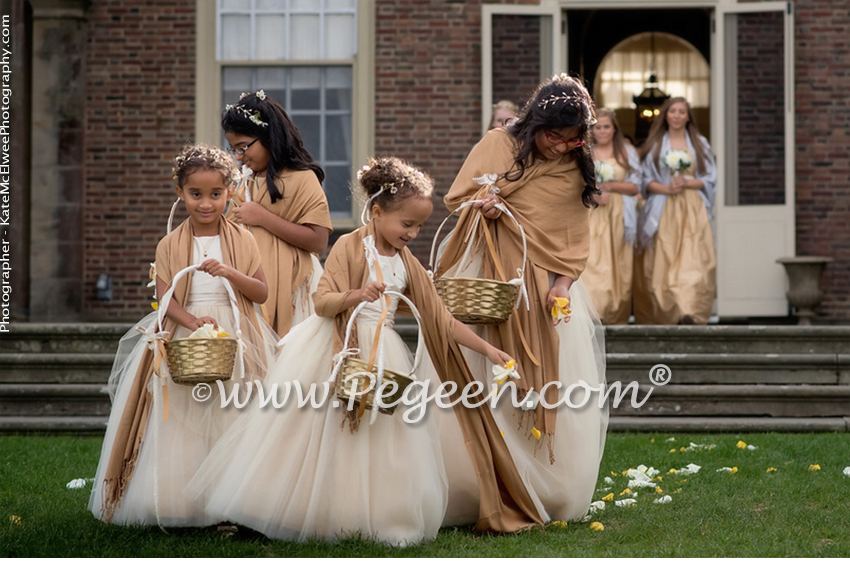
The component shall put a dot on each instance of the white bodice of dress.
(206, 289)
(395, 277)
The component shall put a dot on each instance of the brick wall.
(139, 109)
(822, 60)
(428, 90)
(516, 57)
(761, 109)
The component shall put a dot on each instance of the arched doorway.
(679, 66)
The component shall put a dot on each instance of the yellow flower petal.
(672, 451)
(559, 524)
(15, 520)
(625, 492)
(510, 364)
(222, 333)
(608, 497)
(597, 527)
(536, 433)
(672, 472)
(561, 308)
(503, 433)
(659, 490)
(741, 445)
(155, 305)
(771, 470)
(814, 467)
(652, 440)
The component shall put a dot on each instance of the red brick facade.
(822, 105)
(140, 106)
(140, 98)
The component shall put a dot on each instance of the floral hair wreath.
(215, 155)
(255, 117)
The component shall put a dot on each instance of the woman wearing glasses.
(281, 202)
(675, 264)
(540, 169)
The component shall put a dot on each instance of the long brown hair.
(561, 102)
(659, 128)
(619, 140)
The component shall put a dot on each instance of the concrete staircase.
(724, 378)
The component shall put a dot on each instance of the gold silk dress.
(676, 275)
(608, 274)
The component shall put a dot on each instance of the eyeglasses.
(571, 144)
(239, 151)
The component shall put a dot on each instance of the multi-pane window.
(301, 52)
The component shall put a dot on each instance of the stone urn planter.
(804, 288)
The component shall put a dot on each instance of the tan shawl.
(173, 254)
(286, 267)
(506, 505)
(546, 201)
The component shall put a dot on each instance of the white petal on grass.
(596, 506)
(625, 502)
(727, 469)
(847, 471)
(690, 469)
(663, 500)
(608, 481)
(76, 483)
(752, 447)
(669, 439)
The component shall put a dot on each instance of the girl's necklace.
(206, 248)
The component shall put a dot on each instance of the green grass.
(790, 512)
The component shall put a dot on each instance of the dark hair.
(259, 115)
(659, 127)
(561, 102)
(198, 156)
(398, 179)
(619, 140)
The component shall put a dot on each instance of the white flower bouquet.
(677, 161)
(604, 171)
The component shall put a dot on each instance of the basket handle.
(520, 279)
(166, 300)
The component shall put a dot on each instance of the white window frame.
(208, 70)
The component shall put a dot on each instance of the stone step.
(728, 339)
(56, 367)
(726, 424)
(62, 338)
(740, 368)
(53, 424)
(54, 400)
(798, 401)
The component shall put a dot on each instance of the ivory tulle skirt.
(300, 473)
(172, 451)
(561, 490)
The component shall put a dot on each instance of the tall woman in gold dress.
(608, 275)
(675, 265)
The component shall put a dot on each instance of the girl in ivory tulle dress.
(158, 434)
(327, 472)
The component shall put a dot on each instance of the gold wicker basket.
(359, 380)
(477, 301)
(201, 360)
(480, 301)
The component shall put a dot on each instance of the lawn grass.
(789, 512)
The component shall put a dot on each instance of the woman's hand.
(249, 214)
(488, 206)
(561, 289)
(602, 199)
(677, 184)
(372, 291)
(216, 268)
(497, 356)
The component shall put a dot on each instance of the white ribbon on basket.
(340, 357)
(519, 281)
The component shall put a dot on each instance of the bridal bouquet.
(604, 171)
(677, 160)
